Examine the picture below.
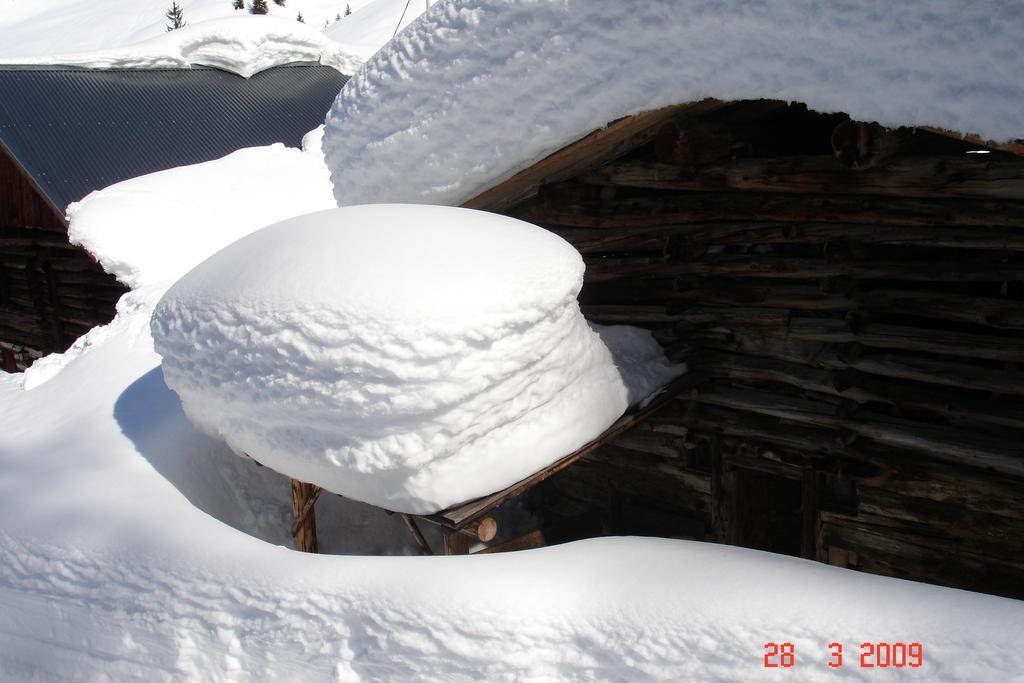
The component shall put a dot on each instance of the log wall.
(860, 324)
(50, 291)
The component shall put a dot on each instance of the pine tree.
(238, 4)
(348, 10)
(300, 19)
(279, 3)
(176, 16)
(259, 7)
(337, 17)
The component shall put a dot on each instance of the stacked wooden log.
(50, 291)
(861, 326)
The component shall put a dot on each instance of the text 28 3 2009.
(869, 655)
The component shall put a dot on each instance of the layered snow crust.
(477, 90)
(408, 356)
(244, 44)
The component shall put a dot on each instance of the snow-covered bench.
(461, 524)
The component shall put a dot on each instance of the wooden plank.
(528, 541)
(907, 338)
(932, 371)
(950, 404)
(703, 207)
(974, 176)
(952, 445)
(36, 209)
(1011, 146)
(602, 145)
(696, 238)
(923, 303)
(771, 267)
(460, 516)
(628, 315)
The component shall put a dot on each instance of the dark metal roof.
(78, 130)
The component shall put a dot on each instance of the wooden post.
(809, 504)
(455, 543)
(417, 535)
(305, 516)
(724, 490)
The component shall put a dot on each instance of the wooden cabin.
(65, 132)
(851, 299)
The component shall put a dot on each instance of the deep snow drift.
(245, 45)
(412, 357)
(480, 89)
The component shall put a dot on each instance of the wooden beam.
(455, 543)
(605, 144)
(1005, 238)
(931, 371)
(704, 207)
(952, 445)
(927, 340)
(1011, 146)
(483, 530)
(966, 175)
(417, 535)
(953, 405)
(786, 267)
(528, 541)
(459, 516)
(304, 498)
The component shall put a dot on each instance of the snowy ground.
(135, 548)
(132, 547)
(44, 28)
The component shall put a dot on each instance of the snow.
(44, 28)
(479, 89)
(134, 547)
(364, 32)
(245, 45)
(237, 193)
(411, 357)
(116, 563)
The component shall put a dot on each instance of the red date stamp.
(880, 655)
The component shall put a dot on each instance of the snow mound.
(477, 90)
(244, 44)
(406, 356)
(191, 212)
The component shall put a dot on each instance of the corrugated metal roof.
(79, 130)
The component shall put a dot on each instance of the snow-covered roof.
(75, 130)
(244, 45)
(478, 90)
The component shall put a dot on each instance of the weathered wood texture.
(50, 291)
(304, 498)
(859, 331)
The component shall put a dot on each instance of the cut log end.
(484, 530)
